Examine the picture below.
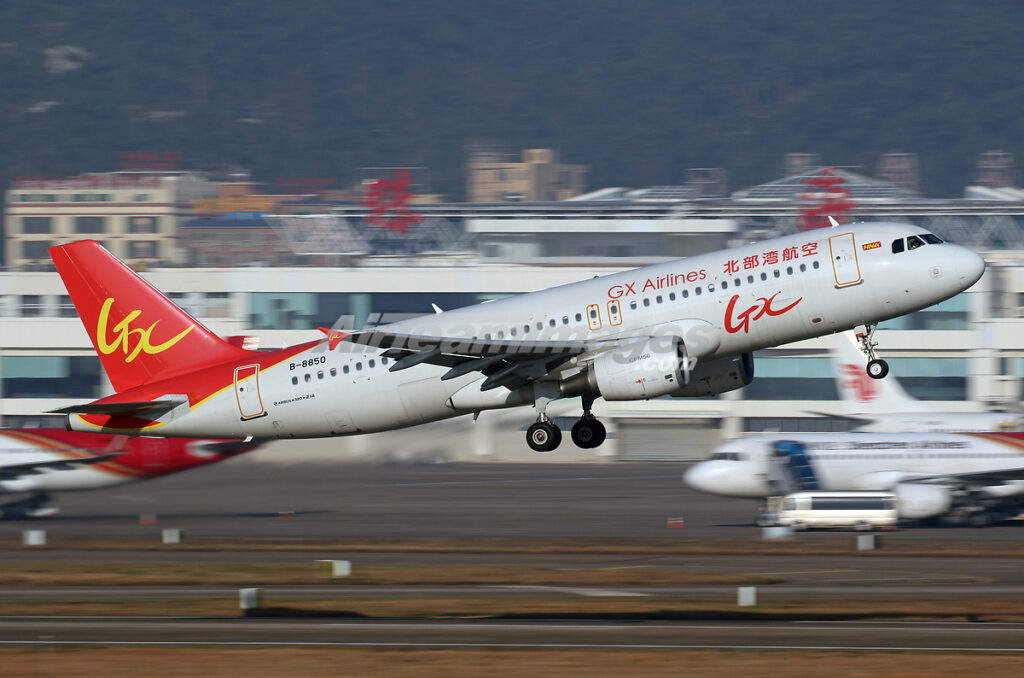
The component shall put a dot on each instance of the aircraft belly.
(425, 400)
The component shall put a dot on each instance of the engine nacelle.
(639, 371)
(916, 500)
(718, 376)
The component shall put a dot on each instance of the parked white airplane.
(40, 461)
(930, 473)
(685, 328)
(882, 405)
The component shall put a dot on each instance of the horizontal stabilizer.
(14, 471)
(149, 409)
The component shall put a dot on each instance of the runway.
(610, 503)
(527, 634)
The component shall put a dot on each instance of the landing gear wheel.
(588, 433)
(877, 368)
(543, 436)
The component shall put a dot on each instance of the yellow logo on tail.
(123, 332)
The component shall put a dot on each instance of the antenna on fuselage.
(832, 221)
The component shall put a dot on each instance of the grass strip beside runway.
(494, 663)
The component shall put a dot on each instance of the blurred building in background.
(135, 214)
(493, 176)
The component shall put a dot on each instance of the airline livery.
(682, 328)
(981, 474)
(40, 461)
(882, 404)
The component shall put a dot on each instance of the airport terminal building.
(965, 353)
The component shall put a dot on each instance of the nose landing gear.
(876, 367)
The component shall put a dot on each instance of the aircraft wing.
(14, 471)
(976, 478)
(505, 362)
(150, 409)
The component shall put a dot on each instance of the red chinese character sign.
(388, 201)
(825, 197)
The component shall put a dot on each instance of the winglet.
(333, 336)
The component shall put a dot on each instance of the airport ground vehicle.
(856, 510)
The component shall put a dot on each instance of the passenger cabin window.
(632, 305)
(897, 245)
(913, 242)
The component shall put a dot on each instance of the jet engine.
(916, 500)
(655, 368)
(640, 371)
(718, 376)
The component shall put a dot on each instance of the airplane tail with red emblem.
(138, 333)
(860, 393)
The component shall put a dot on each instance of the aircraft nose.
(708, 476)
(969, 266)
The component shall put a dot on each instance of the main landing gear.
(39, 505)
(876, 367)
(587, 433)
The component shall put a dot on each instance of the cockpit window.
(913, 242)
(931, 239)
(897, 245)
(726, 456)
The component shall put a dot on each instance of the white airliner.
(930, 473)
(40, 461)
(686, 328)
(881, 405)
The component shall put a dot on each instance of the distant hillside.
(639, 91)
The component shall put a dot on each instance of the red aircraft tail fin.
(139, 334)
